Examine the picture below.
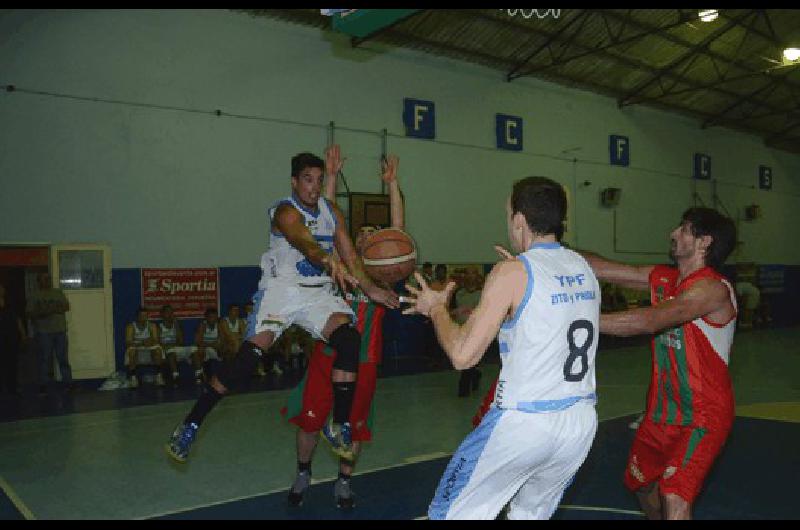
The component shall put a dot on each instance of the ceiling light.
(791, 54)
(707, 15)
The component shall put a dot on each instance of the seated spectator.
(170, 336)
(233, 330)
(209, 343)
(142, 347)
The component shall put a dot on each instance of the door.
(83, 272)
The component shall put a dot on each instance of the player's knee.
(347, 342)
(232, 373)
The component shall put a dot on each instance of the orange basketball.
(389, 255)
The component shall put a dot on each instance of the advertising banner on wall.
(189, 291)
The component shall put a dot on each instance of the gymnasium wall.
(111, 136)
(113, 148)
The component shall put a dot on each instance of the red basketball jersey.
(690, 383)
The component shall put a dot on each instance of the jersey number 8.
(578, 352)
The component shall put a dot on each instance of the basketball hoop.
(530, 13)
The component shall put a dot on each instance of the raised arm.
(390, 165)
(706, 298)
(333, 164)
(632, 276)
(466, 344)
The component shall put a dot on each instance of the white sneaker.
(160, 379)
(133, 382)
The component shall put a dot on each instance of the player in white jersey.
(299, 273)
(142, 347)
(545, 304)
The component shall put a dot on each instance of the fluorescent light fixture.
(707, 15)
(791, 54)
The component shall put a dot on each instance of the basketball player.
(546, 306)
(309, 403)
(296, 287)
(170, 336)
(141, 338)
(690, 405)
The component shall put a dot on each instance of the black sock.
(343, 476)
(304, 467)
(343, 401)
(208, 399)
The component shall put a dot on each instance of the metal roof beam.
(629, 98)
(583, 15)
(614, 43)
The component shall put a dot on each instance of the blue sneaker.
(340, 437)
(181, 441)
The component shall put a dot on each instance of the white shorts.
(526, 458)
(184, 353)
(281, 304)
(144, 354)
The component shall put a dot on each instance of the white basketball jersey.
(140, 335)
(285, 262)
(211, 334)
(548, 348)
(169, 336)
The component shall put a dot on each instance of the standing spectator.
(46, 308)
(749, 299)
(209, 343)
(141, 342)
(12, 334)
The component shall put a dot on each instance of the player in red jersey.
(310, 402)
(690, 405)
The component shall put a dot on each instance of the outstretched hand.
(425, 298)
(338, 271)
(383, 297)
(333, 160)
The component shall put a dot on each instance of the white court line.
(16, 500)
(579, 508)
(406, 461)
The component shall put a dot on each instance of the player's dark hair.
(543, 202)
(709, 222)
(301, 161)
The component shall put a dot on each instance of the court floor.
(110, 464)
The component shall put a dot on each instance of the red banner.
(189, 291)
(24, 257)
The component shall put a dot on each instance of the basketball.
(389, 255)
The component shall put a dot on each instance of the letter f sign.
(419, 117)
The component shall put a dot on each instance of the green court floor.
(111, 465)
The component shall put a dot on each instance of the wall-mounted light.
(708, 15)
(791, 54)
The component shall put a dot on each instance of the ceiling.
(725, 73)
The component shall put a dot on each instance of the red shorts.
(690, 450)
(311, 401)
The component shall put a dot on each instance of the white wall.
(176, 188)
